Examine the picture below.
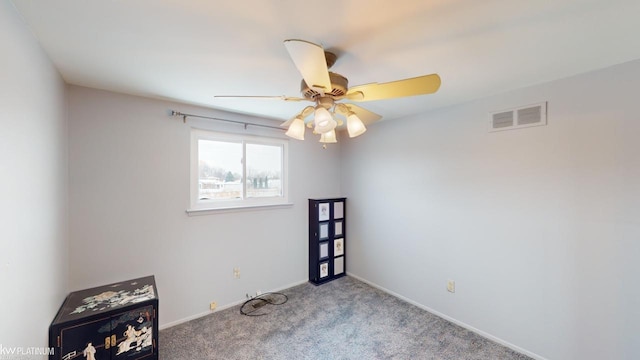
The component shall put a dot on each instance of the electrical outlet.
(213, 305)
(236, 273)
(451, 286)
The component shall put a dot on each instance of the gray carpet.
(342, 319)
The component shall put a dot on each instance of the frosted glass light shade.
(355, 127)
(323, 120)
(328, 137)
(296, 129)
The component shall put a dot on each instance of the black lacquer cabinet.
(115, 321)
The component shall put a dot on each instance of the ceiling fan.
(327, 89)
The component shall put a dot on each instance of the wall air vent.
(520, 117)
(502, 120)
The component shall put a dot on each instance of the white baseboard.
(448, 318)
(196, 316)
(223, 307)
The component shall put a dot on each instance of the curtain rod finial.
(177, 113)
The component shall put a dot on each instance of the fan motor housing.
(339, 87)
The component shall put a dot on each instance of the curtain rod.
(184, 119)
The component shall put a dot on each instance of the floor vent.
(521, 117)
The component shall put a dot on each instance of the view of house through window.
(219, 170)
(264, 170)
(235, 169)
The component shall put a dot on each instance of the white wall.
(129, 189)
(33, 187)
(539, 227)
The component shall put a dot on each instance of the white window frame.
(212, 205)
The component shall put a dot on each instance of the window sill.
(200, 212)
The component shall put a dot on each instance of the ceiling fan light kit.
(329, 137)
(323, 120)
(296, 129)
(355, 127)
(326, 88)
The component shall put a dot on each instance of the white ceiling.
(189, 51)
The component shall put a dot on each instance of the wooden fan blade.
(311, 63)
(282, 97)
(420, 85)
(365, 115)
(354, 96)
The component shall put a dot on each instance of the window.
(234, 171)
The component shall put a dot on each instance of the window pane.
(219, 170)
(264, 170)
